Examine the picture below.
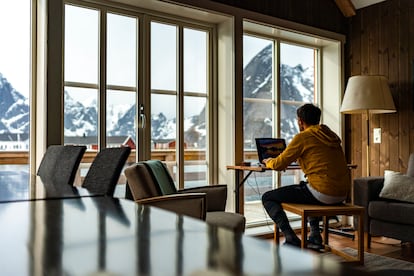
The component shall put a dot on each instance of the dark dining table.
(47, 230)
(111, 236)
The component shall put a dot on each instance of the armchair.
(384, 217)
(142, 188)
(163, 185)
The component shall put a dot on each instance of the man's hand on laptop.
(264, 161)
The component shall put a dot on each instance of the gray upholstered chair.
(163, 185)
(104, 172)
(143, 189)
(60, 164)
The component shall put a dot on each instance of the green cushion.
(162, 176)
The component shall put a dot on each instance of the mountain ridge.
(80, 120)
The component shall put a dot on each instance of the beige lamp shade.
(367, 94)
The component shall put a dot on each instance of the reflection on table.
(93, 235)
(14, 185)
(20, 185)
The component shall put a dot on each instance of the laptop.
(269, 147)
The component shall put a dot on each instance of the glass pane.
(258, 110)
(15, 22)
(258, 122)
(163, 56)
(297, 65)
(164, 131)
(81, 117)
(81, 44)
(163, 125)
(195, 122)
(297, 79)
(195, 61)
(257, 67)
(195, 132)
(195, 174)
(288, 122)
(120, 118)
(257, 115)
(121, 51)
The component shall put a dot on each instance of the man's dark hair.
(309, 114)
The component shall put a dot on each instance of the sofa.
(389, 204)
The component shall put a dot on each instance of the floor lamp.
(367, 95)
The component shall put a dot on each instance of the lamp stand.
(368, 145)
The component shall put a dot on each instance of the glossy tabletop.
(20, 185)
(107, 236)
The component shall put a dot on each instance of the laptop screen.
(269, 147)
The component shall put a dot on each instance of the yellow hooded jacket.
(318, 151)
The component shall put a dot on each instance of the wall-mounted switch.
(377, 135)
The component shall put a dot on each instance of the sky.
(14, 46)
(292, 55)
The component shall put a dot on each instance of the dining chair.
(60, 164)
(104, 172)
(216, 195)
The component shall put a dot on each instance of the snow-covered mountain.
(81, 117)
(296, 85)
(14, 109)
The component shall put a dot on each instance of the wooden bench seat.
(308, 210)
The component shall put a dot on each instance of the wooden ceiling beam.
(346, 7)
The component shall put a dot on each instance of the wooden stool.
(308, 210)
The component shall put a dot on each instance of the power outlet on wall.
(377, 135)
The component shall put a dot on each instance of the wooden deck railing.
(14, 157)
(191, 157)
(22, 157)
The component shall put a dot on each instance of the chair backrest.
(162, 176)
(141, 182)
(410, 168)
(105, 170)
(60, 163)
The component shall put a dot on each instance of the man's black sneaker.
(294, 243)
(315, 242)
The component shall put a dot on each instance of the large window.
(81, 74)
(100, 97)
(271, 98)
(102, 79)
(179, 110)
(15, 85)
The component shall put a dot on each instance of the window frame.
(279, 36)
(180, 94)
(101, 86)
(144, 19)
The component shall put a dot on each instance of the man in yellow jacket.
(318, 151)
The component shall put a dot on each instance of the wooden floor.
(379, 245)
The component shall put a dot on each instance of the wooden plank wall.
(381, 41)
(323, 14)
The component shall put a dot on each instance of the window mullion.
(277, 101)
(180, 109)
(276, 85)
(102, 82)
(144, 88)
